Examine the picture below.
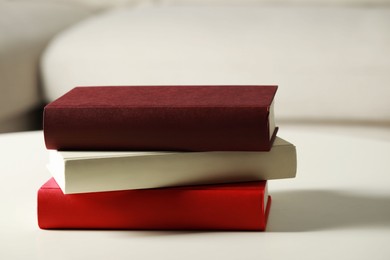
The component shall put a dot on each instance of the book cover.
(243, 206)
(93, 171)
(162, 118)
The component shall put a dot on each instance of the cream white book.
(96, 171)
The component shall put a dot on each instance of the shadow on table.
(311, 210)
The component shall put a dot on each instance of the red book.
(167, 118)
(241, 206)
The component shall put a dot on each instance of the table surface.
(338, 207)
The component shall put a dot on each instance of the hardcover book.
(242, 206)
(93, 171)
(162, 118)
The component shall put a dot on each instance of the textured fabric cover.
(161, 118)
(331, 63)
(25, 29)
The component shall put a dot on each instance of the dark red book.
(179, 118)
(241, 206)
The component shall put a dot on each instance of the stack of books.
(162, 157)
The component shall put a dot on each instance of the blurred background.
(330, 58)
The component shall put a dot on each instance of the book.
(242, 206)
(93, 171)
(162, 118)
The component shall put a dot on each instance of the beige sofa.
(330, 60)
(25, 29)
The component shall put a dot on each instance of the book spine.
(155, 209)
(174, 169)
(166, 129)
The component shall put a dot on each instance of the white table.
(338, 207)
